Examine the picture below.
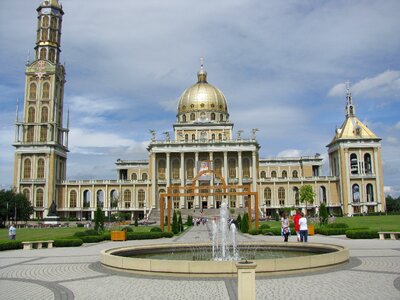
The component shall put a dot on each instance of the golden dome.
(202, 96)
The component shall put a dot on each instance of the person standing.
(296, 219)
(303, 228)
(12, 232)
(285, 226)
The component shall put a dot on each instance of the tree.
(244, 226)
(99, 220)
(238, 222)
(323, 214)
(175, 226)
(307, 195)
(392, 204)
(180, 224)
(14, 207)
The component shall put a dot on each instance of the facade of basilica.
(202, 139)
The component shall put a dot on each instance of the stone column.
(212, 204)
(240, 176)
(153, 180)
(182, 176)
(246, 280)
(196, 199)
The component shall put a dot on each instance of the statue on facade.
(53, 209)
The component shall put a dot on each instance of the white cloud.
(397, 126)
(289, 153)
(392, 140)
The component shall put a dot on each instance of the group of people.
(300, 226)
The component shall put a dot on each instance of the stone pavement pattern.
(75, 273)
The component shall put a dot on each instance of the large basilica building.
(202, 139)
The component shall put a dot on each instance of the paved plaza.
(373, 272)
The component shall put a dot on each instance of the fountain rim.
(177, 268)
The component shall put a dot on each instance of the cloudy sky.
(281, 64)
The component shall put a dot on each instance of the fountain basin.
(324, 255)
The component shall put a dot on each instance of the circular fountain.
(219, 258)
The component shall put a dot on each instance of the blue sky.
(281, 64)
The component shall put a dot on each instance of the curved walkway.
(373, 272)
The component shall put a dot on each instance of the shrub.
(128, 229)
(362, 234)
(175, 225)
(148, 235)
(271, 231)
(238, 221)
(323, 214)
(79, 225)
(337, 225)
(136, 222)
(99, 220)
(70, 242)
(244, 226)
(10, 245)
(92, 238)
(107, 236)
(264, 226)
(86, 233)
(254, 231)
(155, 229)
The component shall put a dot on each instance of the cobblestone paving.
(75, 273)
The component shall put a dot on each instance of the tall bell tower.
(41, 141)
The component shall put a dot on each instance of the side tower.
(41, 141)
(355, 158)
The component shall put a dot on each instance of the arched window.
(53, 23)
(281, 196)
(295, 174)
(232, 198)
(213, 137)
(86, 198)
(45, 21)
(39, 198)
(175, 199)
(46, 90)
(31, 115)
(221, 117)
(141, 198)
(192, 117)
(353, 163)
(218, 167)
(32, 91)
(161, 169)
(184, 118)
(186, 137)
(40, 168)
(367, 163)
(263, 175)
(193, 137)
(246, 167)
(27, 194)
(100, 198)
(133, 176)
(267, 196)
(212, 116)
(43, 51)
(220, 136)
(127, 198)
(370, 193)
(284, 174)
(44, 115)
(27, 169)
(273, 174)
(232, 168)
(189, 169)
(322, 194)
(30, 134)
(72, 199)
(144, 177)
(356, 193)
(175, 169)
(43, 133)
(296, 195)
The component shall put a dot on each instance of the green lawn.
(32, 234)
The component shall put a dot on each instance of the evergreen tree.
(238, 222)
(244, 226)
(98, 220)
(175, 226)
(180, 224)
(136, 222)
(323, 214)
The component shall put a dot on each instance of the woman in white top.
(303, 228)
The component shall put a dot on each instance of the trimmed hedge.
(127, 229)
(88, 232)
(272, 231)
(10, 245)
(336, 231)
(264, 226)
(92, 238)
(337, 225)
(68, 242)
(148, 235)
(362, 234)
(254, 231)
(155, 229)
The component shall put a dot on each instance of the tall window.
(27, 194)
(43, 51)
(114, 198)
(273, 174)
(46, 90)
(43, 133)
(296, 196)
(322, 194)
(31, 115)
(100, 198)
(30, 134)
(189, 168)
(45, 21)
(184, 118)
(295, 174)
(39, 198)
(86, 198)
(367, 163)
(141, 198)
(72, 199)
(161, 169)
(246, 168)
(175, 199)
(127, 198)
(267, 196)
(220, 136)
(192, 117)
(186, 137)
(353, 163)
(175, 169)
(370, 193)
(44, 115)
(144, 177)
(284, 174)
(40, 168)
(263, 174)
(193, 137)
(213, 116)
(27, 168)
(133, 176)
(356, 193)
(232, 168)
(218, 167)
(32, 91)
(281, 196)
